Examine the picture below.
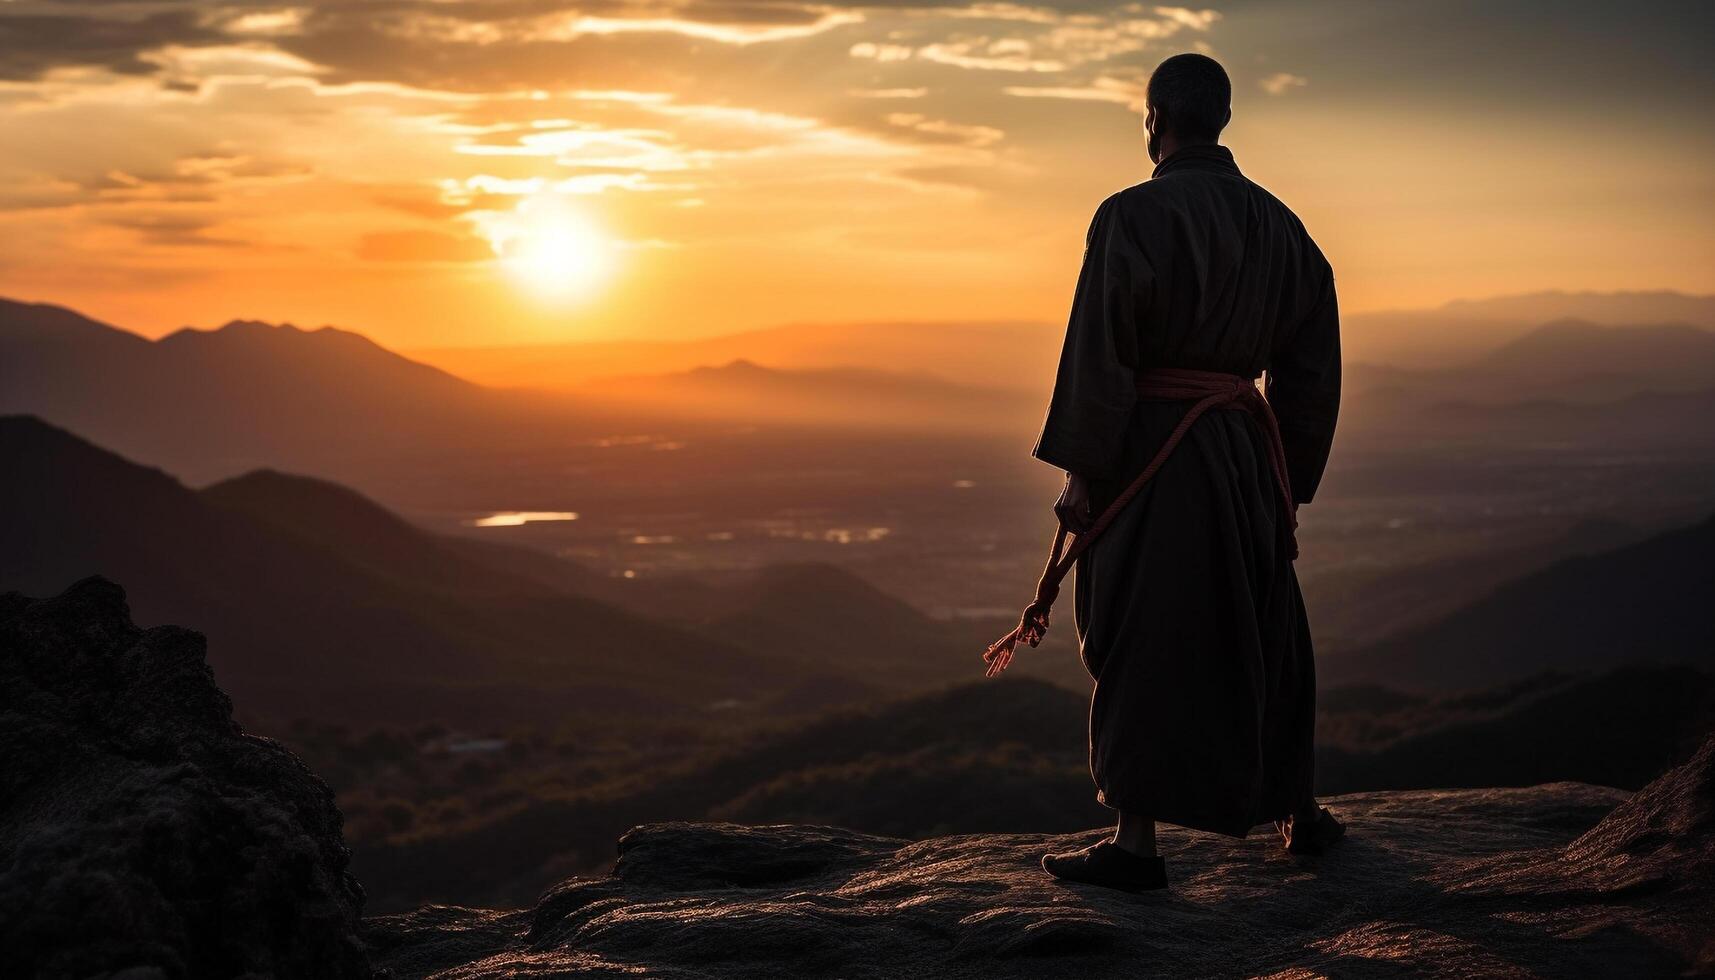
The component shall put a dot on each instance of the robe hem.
(1190, 821)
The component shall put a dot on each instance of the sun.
(552, 248)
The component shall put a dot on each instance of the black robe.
(1187, 607)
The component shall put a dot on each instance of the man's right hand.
(1073, 507)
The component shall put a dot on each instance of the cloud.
(984, 54)
(887, 93)
(1100, 89)
(572, 26)
(1282, 82)
(173, 229)
(33, 44)
(881, 52)
(1039, 39)
(1197, 20)
(967, 134)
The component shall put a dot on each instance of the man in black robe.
(1187, 607)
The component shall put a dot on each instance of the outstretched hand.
(1073, 507)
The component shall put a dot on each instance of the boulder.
(143, 834)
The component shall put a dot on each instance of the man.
(1191, 622)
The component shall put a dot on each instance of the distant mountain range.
(1465, 329)
(1567, 382)
(1021, 356)
(1003, 355)
(1570, 360)
(212, 403)
(215, 403)
(318, 603)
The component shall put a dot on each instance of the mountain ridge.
(1575, 613)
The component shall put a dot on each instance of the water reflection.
(516, 518)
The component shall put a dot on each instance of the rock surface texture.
(1563, 880)
(143, 834)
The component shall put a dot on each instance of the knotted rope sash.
(1208, 391)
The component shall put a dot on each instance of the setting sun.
(552, 248)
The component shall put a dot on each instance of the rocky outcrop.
(1500, 882)
(143, 834)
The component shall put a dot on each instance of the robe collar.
(1200, 156)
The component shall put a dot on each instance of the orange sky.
(504, 171)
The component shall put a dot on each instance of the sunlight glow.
(552, 247)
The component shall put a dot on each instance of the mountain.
(1004, 355)
(212, 403)
(1567, 351)
(319, 603)
(1022, 355)
(1647, 602)
(1619, 728)
(1464, 329)
(1569, 360)
(1610, 308)
(329, 516)
(1356, 604)
(1568, 382)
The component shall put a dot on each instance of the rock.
(1497, 882)
(143, 834)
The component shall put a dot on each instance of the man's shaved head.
(1191, 97)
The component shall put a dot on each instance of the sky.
(494, 172)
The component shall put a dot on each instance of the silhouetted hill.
(1015, 355)
(47, 323)
(825, 612)
(336, 518)
(1643, 603)
(1568, 383)
(310, 612)
(1567, 350)
(1617, 729)
(1360, 605)
(1611, 308)
(1461, 330)
(985, 354)
(211, 403)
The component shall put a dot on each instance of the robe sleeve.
(1095, 388)
(1304, 390)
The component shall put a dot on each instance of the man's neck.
(1171, 144)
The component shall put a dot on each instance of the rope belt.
(1207, 391)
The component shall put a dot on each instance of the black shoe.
(1110, 866)
(1311, 836)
